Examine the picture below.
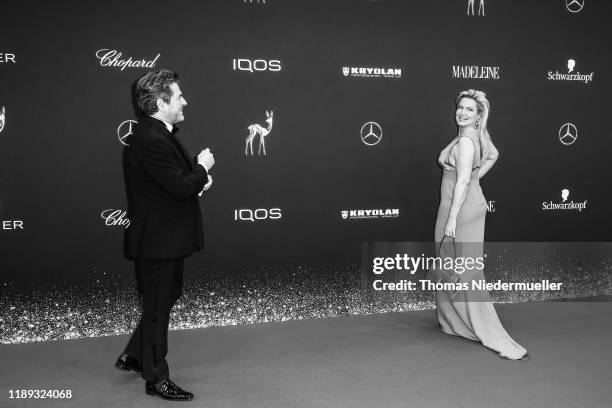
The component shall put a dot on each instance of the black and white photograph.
(306, 203)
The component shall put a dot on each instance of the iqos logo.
(259, 65)
(259, 214)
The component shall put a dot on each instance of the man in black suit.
(162, 185)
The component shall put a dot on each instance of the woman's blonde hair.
(484, 108)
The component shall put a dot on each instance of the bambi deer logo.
(2, 118)
(481, 7)
(255, 130)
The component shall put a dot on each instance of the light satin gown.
(469, 314)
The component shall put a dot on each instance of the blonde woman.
(461, 221)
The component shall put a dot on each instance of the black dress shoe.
(166, 389)
(127, 363)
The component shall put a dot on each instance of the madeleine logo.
(115, 59)
(475, 72)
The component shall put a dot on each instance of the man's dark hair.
(154, 85)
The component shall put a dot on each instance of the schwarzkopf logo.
(370, 214)
(574, 6)
(112, 58)
(568, 133)
(564, 205)
(475, 72)
(369, 72)
(255, 1)
(2, 118)
(577, 76)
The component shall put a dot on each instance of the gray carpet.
(392, 360)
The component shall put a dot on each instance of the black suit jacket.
(162, 185)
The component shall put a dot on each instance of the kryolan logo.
(370, 213)
(257, 65)
(574, 6)
(259, 214)
(571, 75)
(564, 205)
(113, 58)
(372, 72)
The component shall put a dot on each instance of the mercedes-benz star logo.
(574, 6)
(124, 130)
(2, 118)
(568, 134)
(371, 133)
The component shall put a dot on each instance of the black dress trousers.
(160, 284)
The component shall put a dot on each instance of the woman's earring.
(477, 124)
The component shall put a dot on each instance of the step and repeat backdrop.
(325, 117)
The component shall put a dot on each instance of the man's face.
(173, 112)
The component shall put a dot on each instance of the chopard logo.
(114, 218)
(112, 58)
